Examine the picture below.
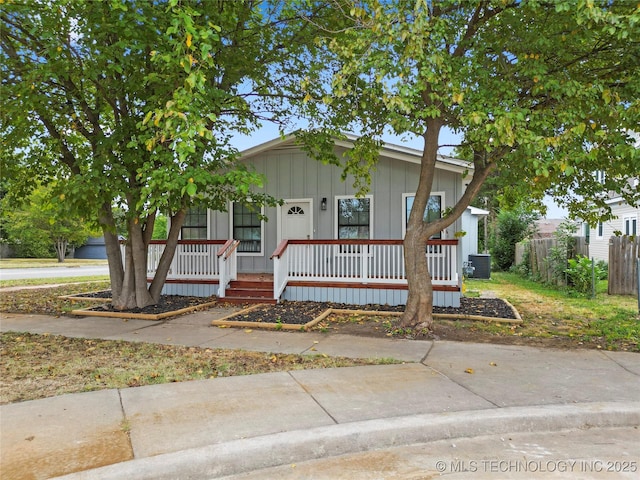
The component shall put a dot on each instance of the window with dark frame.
(631, 226)
(195, 224)
(247, 228)
(431, 213)
(354, 218)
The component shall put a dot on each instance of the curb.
(242, 456)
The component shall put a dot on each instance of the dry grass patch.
(38, 366)
(610, 321)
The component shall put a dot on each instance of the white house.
(625, 223)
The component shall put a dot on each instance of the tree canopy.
(39, 225)
(132, 104)
(542, 94)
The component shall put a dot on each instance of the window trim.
(405, 217)
(207, 227)
(247, 254)
(336, 210)
(628, 222)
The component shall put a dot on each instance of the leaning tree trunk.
(114, 252)
(419, 309)
(164, 264)
(418, 312)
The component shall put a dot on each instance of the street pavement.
(53, 272)
(459, 410)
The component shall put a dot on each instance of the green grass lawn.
(553, 311)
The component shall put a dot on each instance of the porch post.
(222, 275)
(364, 263)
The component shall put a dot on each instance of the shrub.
(557, 261)
(581, 272)
(513, 226)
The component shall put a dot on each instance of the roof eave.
(390, 150)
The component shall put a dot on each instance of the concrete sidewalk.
(227, 426)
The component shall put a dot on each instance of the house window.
(354, 218)
(600, 176)
(631, 225)
(586, 231)
(600, 230)
(195, 224)
(295, 210)
(431, 213)
(247, 227)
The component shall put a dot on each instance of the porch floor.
(255, 277)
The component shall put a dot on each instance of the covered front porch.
(342, 271)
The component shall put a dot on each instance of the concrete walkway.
(235, 425)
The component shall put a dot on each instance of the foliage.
(512, 227)
(40, 226)
(561, 252)
(582, 272)
(524, 267)
(133, 103)
(160, 228)
(541, 93)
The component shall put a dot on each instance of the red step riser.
(243, 300)
(234, 292)
(251, 285)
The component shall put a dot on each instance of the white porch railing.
(227, 265)
(362, 261)
(198, 259)
(193, 259)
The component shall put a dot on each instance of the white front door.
(296, 220)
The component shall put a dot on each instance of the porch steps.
(248, 291)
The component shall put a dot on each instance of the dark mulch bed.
(100, 294)
(299, 313)
(484, 307)
(167, 303)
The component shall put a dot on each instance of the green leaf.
(191, 189)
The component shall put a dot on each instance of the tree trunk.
(129, 287)
(61, 249)
(419, 309)
(135, 292)
(168, 253)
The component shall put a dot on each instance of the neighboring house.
(625, 222)
(323, 243)
(93, 248)
(546, 227)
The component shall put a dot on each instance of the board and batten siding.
(291, 174)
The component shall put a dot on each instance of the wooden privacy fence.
(623, 275)
(540, 251)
